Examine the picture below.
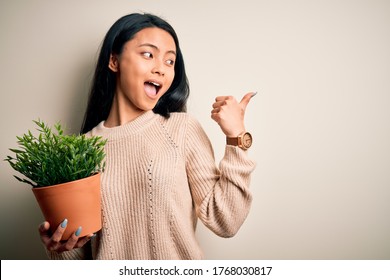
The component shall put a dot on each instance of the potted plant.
(64, 172)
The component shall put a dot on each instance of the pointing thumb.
(245, 100)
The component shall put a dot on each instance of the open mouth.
(152, 88)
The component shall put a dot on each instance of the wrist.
(235, 133)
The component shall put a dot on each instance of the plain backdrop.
(320, 121)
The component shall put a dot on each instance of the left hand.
(229, 114)
(53, 241)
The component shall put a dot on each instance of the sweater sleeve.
(221, 195)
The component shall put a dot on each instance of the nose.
(158, 69)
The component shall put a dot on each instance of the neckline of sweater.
(132, 127)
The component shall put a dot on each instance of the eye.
(147, 54)
(170, 62)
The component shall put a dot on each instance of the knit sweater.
(160, 178)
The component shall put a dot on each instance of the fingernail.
(78, 231)
(253, 94)
(64, 223)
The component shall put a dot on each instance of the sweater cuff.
(236, 165)
(235, 154)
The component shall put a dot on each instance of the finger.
(44, 227)
(57, 235)
(216, 110)
(222, 98)
(72, 241)
(44, 232)
(216, 117)
(219, 103)
(82, 241)
(245, 100)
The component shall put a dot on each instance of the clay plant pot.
(78, 201)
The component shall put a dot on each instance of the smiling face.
(145, 71)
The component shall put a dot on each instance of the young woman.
(160, 175)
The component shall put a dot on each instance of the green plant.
(53, 158)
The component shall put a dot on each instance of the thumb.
(245, 100)
(45, 226)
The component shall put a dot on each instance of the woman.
(160, 174)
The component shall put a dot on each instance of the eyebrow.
(155, 47)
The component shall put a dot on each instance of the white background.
(320, 120)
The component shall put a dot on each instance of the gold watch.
(244, 141)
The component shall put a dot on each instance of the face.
(145, 69)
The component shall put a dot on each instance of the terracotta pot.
(78, 201)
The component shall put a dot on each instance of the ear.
(113, 64)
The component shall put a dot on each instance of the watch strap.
(232, 141)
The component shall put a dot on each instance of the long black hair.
(104, 81)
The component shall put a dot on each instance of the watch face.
(247, 140)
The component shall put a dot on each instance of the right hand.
(229, 113)
(53, 241)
